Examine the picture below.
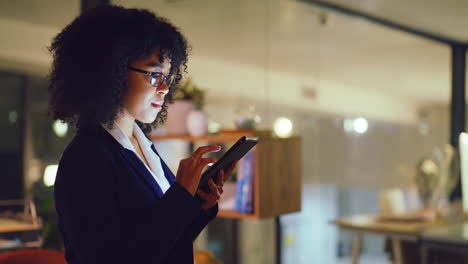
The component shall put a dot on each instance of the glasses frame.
(154, 75)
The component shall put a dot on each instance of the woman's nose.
(162, 89)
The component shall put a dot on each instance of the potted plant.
(186, 114)
(187, 90)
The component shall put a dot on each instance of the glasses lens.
(157, 80)
(153, 81)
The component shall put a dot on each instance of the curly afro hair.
(88, 80)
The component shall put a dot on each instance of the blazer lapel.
(167, 172)
(139, 167)
(141, 170)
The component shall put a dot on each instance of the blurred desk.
(13, 226)
(452, 239)
(16, 226)
(396, 231)
(8, 225)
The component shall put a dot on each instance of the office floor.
(366, 259)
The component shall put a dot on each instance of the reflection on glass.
(60, 128)
(49, 175)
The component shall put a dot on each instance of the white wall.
(236, 82)
(24, 48)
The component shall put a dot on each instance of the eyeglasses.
(156, 79)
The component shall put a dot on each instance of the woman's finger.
(200, 192)
(205, 161)
(213, 187)
(205, 149)
(208, 196)
(204, 195)
(220, 178)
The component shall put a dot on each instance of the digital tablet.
(236, 152)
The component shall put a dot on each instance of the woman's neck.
(125, 122)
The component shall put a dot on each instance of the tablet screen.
(236, 152)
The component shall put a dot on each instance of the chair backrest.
(33, 256)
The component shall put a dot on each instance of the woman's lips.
(155, 105)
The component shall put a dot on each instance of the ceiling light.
(360, 125)
(283, 127)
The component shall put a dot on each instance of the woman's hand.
(211, 197)
(189, 172)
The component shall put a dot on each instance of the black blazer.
(111, 210)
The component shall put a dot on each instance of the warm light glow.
(214, 127)
(283, 127)
(463, 146)
(348, 125)
(50, 173)
(360, 125)
(60, 128)
(464, 138)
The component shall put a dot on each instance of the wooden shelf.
(235, 214)
(9, 225)
(223, 136)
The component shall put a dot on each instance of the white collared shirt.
(155, 167)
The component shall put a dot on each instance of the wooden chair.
(33, 256)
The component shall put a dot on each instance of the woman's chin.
(147, 119)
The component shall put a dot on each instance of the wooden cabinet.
(277, 173)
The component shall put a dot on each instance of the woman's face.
(143, 101)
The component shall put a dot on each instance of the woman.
(117, 201)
